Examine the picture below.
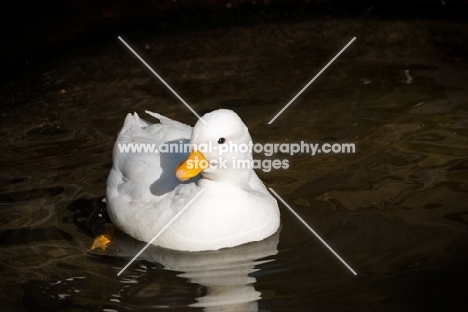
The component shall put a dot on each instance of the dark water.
(396, 210)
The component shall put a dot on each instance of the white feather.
(143, 194)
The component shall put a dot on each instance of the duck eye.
(221, 140)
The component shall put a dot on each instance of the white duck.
(145, 192)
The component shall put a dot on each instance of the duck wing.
(142, 175)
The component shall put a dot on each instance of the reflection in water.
(224, 273)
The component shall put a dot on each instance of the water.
(396, 210)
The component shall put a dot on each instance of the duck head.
(220, 149)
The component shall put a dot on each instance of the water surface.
(396, 210)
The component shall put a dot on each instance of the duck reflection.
(224, 273)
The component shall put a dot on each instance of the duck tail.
(166, 121)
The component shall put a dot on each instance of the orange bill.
(191, 166)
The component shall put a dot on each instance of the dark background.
(66, 83)
(36, 32)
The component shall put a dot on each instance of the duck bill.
(191, 166)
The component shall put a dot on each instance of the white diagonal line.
(160, 232)
(162, 80)
(313, 79)
(313, 232)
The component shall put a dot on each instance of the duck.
(197, 179)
